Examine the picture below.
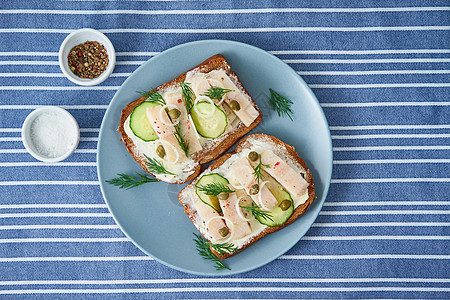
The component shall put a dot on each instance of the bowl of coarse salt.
(50, 134)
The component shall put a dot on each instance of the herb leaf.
(215, 92)
(203, 248)
(188, 96)
(214, 189)
(181, 139)
(153, 96)
(258, 212)
(258, 170)
(280, 104)
(155, 166)
(126, 181)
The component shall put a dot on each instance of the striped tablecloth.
(381, 74)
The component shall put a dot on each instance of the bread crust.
(206, 155)
(243, 144)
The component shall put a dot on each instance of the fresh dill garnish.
(258, 170)
(126, 181)
(215, 92)
(181, 139)
(214, 189)
(204, 249)
(258, 212)
(188, 96)
(155, 166)
(153, 96)
(280, 104)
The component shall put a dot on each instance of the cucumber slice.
(212, 201)
(278, 215)
(213, 126)
(139, 123)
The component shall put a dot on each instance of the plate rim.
(327, 181)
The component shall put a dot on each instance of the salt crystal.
(52, 134)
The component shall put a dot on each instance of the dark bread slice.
(287, 153)
(216, 147)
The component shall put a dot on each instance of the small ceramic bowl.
(81, 36)
(50, 134)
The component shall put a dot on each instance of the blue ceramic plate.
(152, 217)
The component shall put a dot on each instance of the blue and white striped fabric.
(381, 74)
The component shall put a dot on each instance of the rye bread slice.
(287, 153)
(212, 149)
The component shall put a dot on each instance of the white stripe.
(384, 212)
(366, 256)
(384, 203)
(389, 180)
(5, 183)
(375, 104)
(383, 148)
(366, 61)
(42, 164)
(360, 73)
(51, 205)
(224, 280)
(314, 86)
(383, 224)
(33, 227)
(377, 85)
(27, 106)
(275, 52)
(389, 136)
(56, 215)
(389, 161)
(19, 139)
(301, 73)
(64, 240)
(141, 258)
(376, 127)
(305, 238)
(224, 289)
(375, 237)
(58, 88)
(14, 151)
(225, 11)
(235, 30)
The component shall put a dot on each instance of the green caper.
(224, 231)
(254, 189)
(212, 198)
(285, 204)
(253, 156)
(223, 196)
(234, 105)
(174, 113)
(160, 151)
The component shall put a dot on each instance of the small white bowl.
(81, 36)
(53, 131)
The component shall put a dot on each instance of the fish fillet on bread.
(285, 190)
(209, 128)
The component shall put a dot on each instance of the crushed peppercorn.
(88, 59)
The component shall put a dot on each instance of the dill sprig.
(280, 104)
(126, 181)
(153, 96)
(258, 170)
(215, 92)
(156, 167)
(184, 144)
(214, 189)
(204, 249)
(258, 212)
(188, 96)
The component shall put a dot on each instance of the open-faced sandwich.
(260, 188)
(174, 128)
